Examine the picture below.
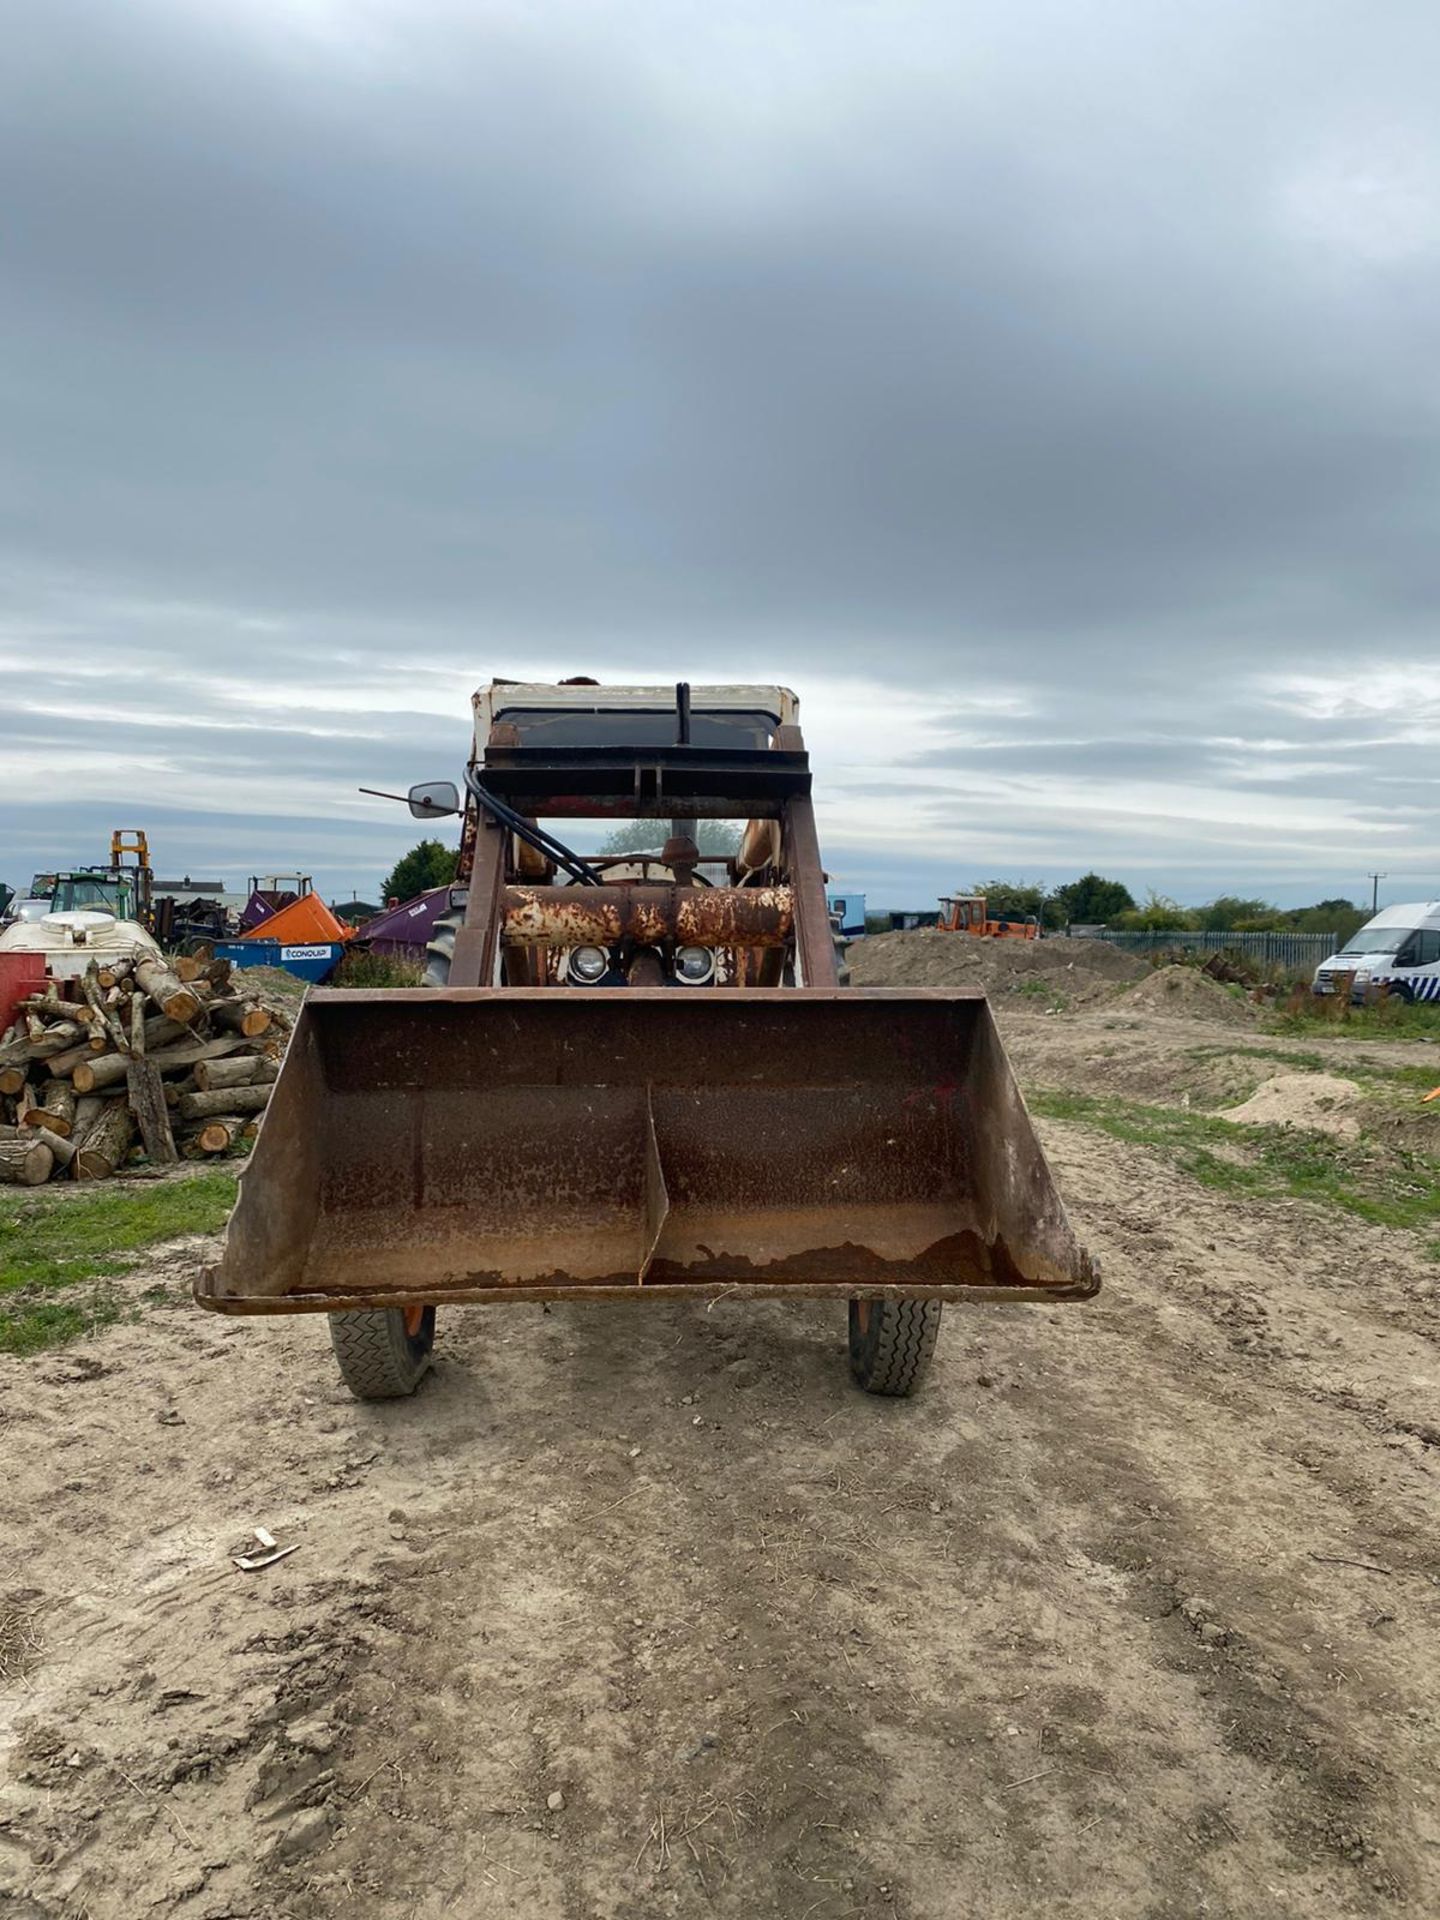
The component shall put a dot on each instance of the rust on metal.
(800, 849)
(701, 1290)
(531, 1143)
(648, 915)
(473, 961)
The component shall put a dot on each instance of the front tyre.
(384, 1353)
(891, 1342)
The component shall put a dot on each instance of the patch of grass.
(362, 969)
(1426, 1076)
(1287, 1057)
(1387, 1018)
(1033, 989)
(31, 1324)
(58, 1246)
(1390, 1186)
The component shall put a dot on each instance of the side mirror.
(434, 796)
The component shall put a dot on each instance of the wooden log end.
(25, 1163)
(62, 1147)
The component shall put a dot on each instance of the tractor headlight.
(694, 966)
(588, 964)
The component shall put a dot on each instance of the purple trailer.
(401, 933)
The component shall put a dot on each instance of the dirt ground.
(1130, 1615)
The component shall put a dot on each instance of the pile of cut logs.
(152, 1058)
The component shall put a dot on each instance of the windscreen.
(1376, 940)
(110, 896)
(565, 727)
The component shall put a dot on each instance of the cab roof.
(1412, 913)
(778, 702)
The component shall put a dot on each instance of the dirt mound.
(272, 985)
(1318, 1101)
(925, 957)
(1188, 992)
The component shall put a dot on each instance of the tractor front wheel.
(891, 1342)
(384, 1354)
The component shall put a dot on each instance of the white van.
(1398, 950)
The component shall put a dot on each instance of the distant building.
(847, 914)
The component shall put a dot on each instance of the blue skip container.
(314, 961)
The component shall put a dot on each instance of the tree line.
(1093, 901)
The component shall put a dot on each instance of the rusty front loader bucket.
(529, 1144)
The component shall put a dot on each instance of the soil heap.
(1318, 1101)
(1190, 994)
(926, 957)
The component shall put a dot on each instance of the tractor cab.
(95, 889)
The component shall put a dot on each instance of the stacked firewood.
(154, 1059)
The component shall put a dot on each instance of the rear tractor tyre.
(385, 1353)
(891, 1342)
(440, 950)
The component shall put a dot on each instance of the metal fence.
(1297, 952)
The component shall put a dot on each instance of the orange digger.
(969, 913)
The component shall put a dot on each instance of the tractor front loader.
(638, 1077)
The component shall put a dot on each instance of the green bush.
(1160, 914)
(365, 969)
(428, 864)
(1092, 901)
(1017, 900)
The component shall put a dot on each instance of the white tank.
(70, 941)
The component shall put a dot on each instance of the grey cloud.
(946, 350)
(1141, 758)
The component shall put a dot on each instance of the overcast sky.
(1050, 394)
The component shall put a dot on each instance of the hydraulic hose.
(532, 834)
